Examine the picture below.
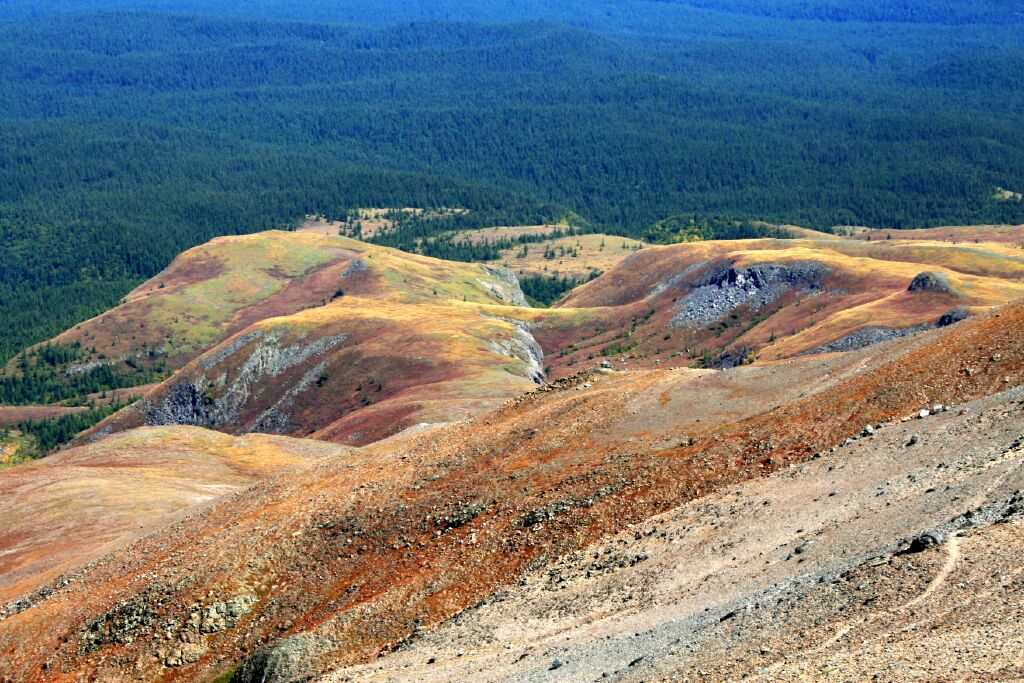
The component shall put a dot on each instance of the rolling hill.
(511, 341)
(136, 129)
(475, 470)
(347, 559)
(309, 334)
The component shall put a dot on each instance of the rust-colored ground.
(69, 508)
(12, 415)
(866, 286)
(1001, 234)
(361, 547)
(362, 550)
(232, 285)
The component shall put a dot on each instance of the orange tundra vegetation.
(360, 550)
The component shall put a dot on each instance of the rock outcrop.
(930, 282)
(287, 661)
(724, 290)
(198, 400)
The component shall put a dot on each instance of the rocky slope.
(726, 302)
(335, 564)
(217, 290)
(311, 334)
(891, 558)
(354, 371)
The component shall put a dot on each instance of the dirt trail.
(952, 549)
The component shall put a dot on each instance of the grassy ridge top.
(270, 324)
(674, 301)
(214, 290)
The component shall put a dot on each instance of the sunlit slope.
(354, 371)
(74, 506)
(212, 291)
(308, 334)
(576, 257)
(773, 298)
(336, 563)
(1011, 235)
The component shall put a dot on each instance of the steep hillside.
(893, 558)
(354, 371)
(334, 565)
(296, 333)
(221, 290)
(310, 334)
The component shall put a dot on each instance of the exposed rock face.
(190, 637)
(205, 402)
(677, 279)
(285, 661)
(930, 282)
(733, 358)
(511, 293)
(277, 418)
(925, 541)
(875, 335)
(724, 290)
(524, 347)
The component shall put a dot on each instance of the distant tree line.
(49, 374)
(544, 290)
(48, 435)
(126, 138)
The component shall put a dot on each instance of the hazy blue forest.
(132, 130)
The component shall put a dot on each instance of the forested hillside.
(128, 137)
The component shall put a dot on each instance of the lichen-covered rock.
(524, 347)
(188, 653)
(221, 615)
(286, 661)
(952, 317)
(206, 400)
(506, 288)
(868, 336)
(125, 621)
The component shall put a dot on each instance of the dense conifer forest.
(129, 134)
(45, 436)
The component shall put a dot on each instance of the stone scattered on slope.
(925, 541)
(868, 336)
(954, 316)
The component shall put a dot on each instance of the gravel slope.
(798, 576)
